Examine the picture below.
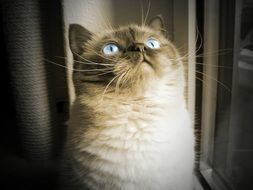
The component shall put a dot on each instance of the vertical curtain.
(32, 31)
(26, 28)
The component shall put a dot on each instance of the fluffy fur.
(129, 128)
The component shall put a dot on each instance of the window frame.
(217, 32)
(184, 36)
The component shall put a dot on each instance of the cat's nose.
(140, 47)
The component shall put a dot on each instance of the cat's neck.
(163, 95)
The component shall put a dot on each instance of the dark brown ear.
(157, 23)
(78, 36)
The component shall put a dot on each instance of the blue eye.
(110, 49)
(153, 44)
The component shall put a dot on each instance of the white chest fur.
(141, 145)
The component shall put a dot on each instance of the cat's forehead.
(129, 33)
(133, 32)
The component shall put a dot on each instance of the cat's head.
(130, 59)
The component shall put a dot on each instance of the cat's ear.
(78, 36)
(157, 23)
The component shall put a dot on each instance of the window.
(226, 152)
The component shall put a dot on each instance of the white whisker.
(218, 66)
(107, 86)
(142, 13)
(147, 13)
(210, 77)
(88, 62)
(118, 82)
(81, 70)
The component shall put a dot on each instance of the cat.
(129, 128)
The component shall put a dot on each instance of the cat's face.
(129, 58)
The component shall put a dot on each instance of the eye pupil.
(153, 44)
(110, 49)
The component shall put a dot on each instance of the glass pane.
(233, 146)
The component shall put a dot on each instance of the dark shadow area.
(18, 169)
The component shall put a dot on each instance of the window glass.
(233, 136)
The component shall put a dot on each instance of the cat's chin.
(146, 68)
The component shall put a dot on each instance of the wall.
(92, 14)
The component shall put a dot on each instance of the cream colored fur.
(136, 135)
(135, 144)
